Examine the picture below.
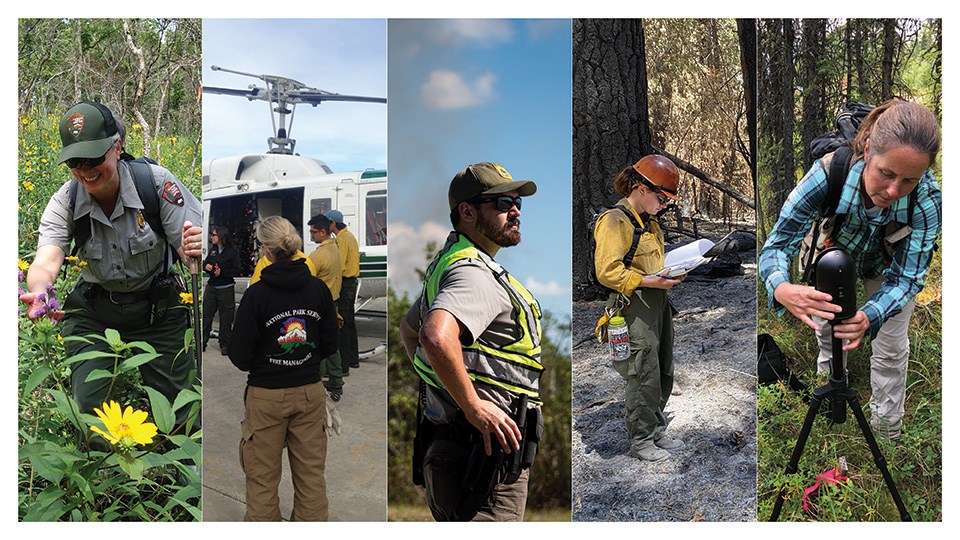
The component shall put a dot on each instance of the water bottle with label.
(618, 339)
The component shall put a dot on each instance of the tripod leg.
(792, 467)
(878, 458)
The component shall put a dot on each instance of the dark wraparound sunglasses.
(76, 163)
(504, 202)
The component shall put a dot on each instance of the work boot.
(669, 443)
(647, 451)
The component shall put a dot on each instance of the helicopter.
(239, 191)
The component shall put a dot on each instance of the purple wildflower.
(51, 291)
(20, 275)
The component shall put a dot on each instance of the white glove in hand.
(334, 422)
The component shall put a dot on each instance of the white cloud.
(488, 32)
(406, 252)
(449, 90)
(550, 288)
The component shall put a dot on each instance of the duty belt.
(460, 430)
(94, 290)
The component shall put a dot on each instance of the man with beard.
(473, 335)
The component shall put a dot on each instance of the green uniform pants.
(649, 369)
(331, 371)
(167, 374)
(294, 418)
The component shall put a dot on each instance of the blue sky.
(342, 56)
(462, 92)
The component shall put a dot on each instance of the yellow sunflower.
(186, 298)
(127, 429)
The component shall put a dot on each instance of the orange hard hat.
(661, 172)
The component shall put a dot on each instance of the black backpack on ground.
(772, 365)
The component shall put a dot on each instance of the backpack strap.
(836, 177)
(837, 166)
(638, 230)
(81, 227)
(147, 191)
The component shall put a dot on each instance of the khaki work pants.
(888, 365)
(295, 418)
(648, 371)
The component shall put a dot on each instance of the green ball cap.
(486, 179)
(86, 131)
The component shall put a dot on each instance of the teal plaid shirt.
(861, 237)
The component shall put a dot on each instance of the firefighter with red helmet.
(629, 260)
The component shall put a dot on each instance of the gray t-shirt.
(123, 253)
(470, 293)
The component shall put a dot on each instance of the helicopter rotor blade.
(319, 96)
(250, 93)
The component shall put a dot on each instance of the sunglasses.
(76, 163)
(504, 202)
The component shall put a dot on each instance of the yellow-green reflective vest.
(514, 367)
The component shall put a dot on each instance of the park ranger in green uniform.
(126, 282)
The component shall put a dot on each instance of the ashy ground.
(713, 478)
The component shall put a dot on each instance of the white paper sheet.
(685, 258)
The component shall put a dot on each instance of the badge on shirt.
(172, 194)
(141, 220)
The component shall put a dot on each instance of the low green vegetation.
(915, 461)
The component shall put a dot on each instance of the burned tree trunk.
(610, 123)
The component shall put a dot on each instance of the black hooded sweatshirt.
(285, 326)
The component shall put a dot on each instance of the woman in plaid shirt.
(892, 155)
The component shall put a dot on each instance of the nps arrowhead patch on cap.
(172, 194)
(501, 171)
(75, 124)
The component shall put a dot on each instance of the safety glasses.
(663, 199)
(655, 189)
(504, 203)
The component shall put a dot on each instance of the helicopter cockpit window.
(376, 218)
(319, 206)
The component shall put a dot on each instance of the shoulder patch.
(172, 194)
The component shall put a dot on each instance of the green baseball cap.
(87, 131)
(486, 179)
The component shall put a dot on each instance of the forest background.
(807, 70)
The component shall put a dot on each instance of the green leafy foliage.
(915, 460)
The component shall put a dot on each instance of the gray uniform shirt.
(470, 293)
(123, 253)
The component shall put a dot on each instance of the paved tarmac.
(356, 468)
